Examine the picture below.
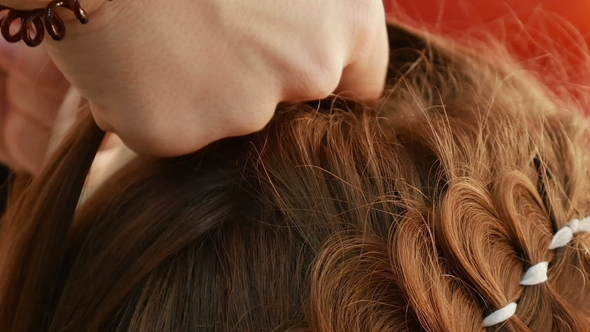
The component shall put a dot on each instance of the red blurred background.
(474, 12)
(548, 36)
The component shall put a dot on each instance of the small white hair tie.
(537, 273)
(566, 234)
(500, 315)
(582, 226)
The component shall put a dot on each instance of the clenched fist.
(170, 77)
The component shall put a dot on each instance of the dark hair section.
(419, 212)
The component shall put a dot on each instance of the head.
(418, 212)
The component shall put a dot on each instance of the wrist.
(50, 18)
(88, 5)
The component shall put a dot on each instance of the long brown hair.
(418, 212)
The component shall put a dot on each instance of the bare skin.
(31, 92)
(170, 78)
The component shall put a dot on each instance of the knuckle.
(319, 80)
(253, 119)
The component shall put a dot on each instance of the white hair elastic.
(537, 273)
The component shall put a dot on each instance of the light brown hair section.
(419, 212)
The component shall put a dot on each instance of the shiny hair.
(419, 212)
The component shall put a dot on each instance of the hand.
(31, 92)
(170, 77)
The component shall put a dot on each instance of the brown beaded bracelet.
(35, 22)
